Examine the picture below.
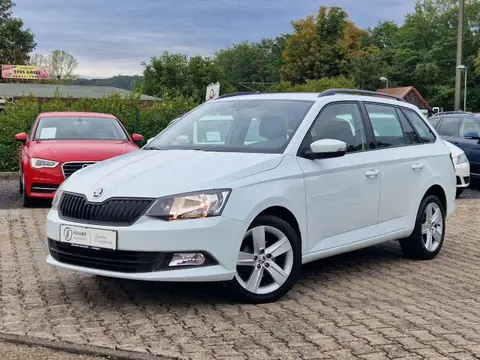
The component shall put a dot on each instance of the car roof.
(456, 114)
(76, 114)
(315, 96)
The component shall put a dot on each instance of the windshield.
(79, 128)
(263, 126)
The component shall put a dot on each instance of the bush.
(19, 117)
(316, 85)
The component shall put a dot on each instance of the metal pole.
(465, 92)
(387, 85)
(458, 75)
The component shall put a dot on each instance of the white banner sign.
(213, 92)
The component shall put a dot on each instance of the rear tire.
(459, 192)
(20, 185)
(427, 237)
(269, 262)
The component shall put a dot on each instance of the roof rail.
(238, 94)
(453, 112)
(360, 92)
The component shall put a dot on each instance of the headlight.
(42, 163)
(56, 198)
(190, 206)
(462, 158)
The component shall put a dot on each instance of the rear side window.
(449, 126)
(469, 126)
(418, 123)
(411, 136)
(386, 125)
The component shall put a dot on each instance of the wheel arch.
(439, 192)
(284, 214)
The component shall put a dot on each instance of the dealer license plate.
(88, 237)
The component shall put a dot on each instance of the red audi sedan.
(61, 143)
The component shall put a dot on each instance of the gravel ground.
(24, 352)
(11, 199)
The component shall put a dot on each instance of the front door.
(471, 147)
(342, 194)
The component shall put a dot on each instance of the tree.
(253, 65)
(365, 66)
(320, 46)
(424, 50)
(61, 64)
(316, 85)
(15, 41)
(179, 74)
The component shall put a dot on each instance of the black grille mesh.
(111, 212)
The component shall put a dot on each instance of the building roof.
(403, 92)
(74, 91)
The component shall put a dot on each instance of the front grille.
(119, 260)
(70, 167)
(44, 188)
(119, 211)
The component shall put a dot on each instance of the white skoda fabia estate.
(247, 188)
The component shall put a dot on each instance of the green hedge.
(19, 117)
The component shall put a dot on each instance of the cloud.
(111, 37)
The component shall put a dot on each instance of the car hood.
(79, 150)
(151, 173)
(454, 149)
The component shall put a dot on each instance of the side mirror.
(472, 135)
(22, 137)
(182, 139)
(137, 137)
(326, 148)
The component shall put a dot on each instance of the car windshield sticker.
(48, 133)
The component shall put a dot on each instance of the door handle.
(372, 173)
(417, 167)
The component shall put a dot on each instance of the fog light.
(187, 259)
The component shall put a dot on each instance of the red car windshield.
(79, 128)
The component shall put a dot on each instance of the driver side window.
(340, 121)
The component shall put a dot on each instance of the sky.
(112, 37)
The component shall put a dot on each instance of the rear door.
(401, 160)
(469, 145)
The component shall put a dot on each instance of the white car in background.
(246, 189)
(462, 167)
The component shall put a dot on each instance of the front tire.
(269, 261)
(26, 200)
(20, 185)
(459, 192)
(427, 237)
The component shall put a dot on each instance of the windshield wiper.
(152, 148)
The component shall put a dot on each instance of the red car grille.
(70, 167)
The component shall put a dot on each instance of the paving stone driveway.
(372, 304)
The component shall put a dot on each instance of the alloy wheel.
(432, 227)
(265, 260)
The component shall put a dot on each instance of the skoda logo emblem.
(97, 193)
(67, 234)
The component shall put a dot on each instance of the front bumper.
(43, 183)
(218, 237)
(462, 171)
